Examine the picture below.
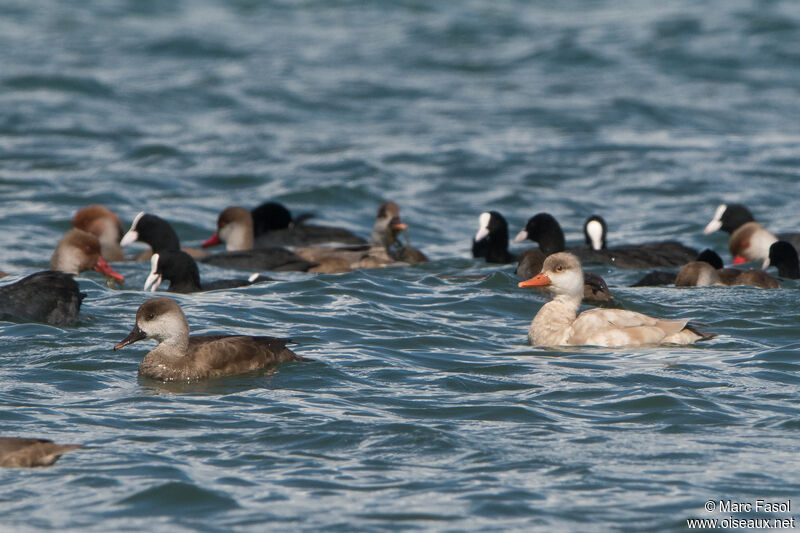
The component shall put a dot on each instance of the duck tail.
(694, 327)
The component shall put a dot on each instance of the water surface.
(424, 408)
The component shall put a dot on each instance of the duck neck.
(552, 242)
(65, 262)
(173, 347)
(108, 233)
(497, 245)
(173, 339)
(382, 235)
(238, 237)
(497, 252)
(552, 325)
(568, 302)
(788, 268)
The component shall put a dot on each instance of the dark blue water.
(425, 408)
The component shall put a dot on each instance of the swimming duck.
(179, 357)
(52, 296)
(17, 452)
(180, 269)
(710, 271)
(273, 225)
(648, 254)
(595, 289)
(158, 234)
(491, 240)
(235, 229)
(660, 277)
(383, 250)
(749, 240)
(49, 297)
(558, 324)
(545, 230)
(79, 250)
(106, 226)
(385, 233)
(784, 256)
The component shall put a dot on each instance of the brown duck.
(25, 453)
(384, 249)
(79, 250)
(106, 226)
(179, 357)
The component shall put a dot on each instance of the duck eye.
(150, 316)
(559, 268)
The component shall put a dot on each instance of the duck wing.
(217, 355)
(619, 327)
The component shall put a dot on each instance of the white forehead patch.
(483, 226)
(716, 222)
(595, 232)
(720, 211)
(136, 219)
(132, 236)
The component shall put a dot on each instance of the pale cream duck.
(595, 289)
(558, 324)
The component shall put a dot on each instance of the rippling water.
(424, 408)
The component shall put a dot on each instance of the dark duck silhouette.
(180, 269)
(156, 233)
(49, 297)
(491, 240)
(783, 256)
(545, 230)
(645, 255)
(273, 225)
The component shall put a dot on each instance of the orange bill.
(738, 260)
(539, 280)
(105, 268)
